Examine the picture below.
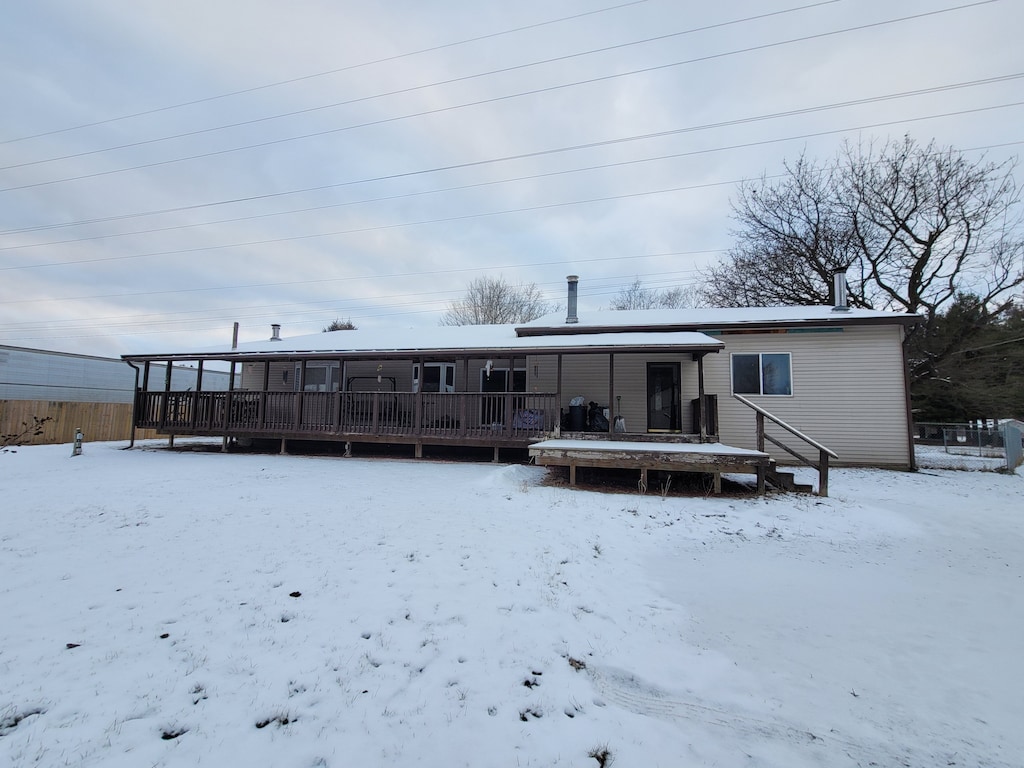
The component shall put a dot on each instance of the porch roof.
(436, 342)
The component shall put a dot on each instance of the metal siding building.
(36, 374)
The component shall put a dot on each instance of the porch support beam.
(508, 401)
(558, 392)
(611, 390)
(227, 408)
(298, 396)
(463, 409)
(195, 400)
(263, 394)
(417, 427)
(167, 398)
(702, 411)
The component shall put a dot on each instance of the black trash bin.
(577, 418)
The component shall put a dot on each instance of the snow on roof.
(531, 336)
(484, 338)
(711, 317)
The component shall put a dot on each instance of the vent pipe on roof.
(571, 314)
(275, 332)
(234, 337)
(839, 292)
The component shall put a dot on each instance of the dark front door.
(663, 398)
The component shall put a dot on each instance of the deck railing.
(823, 453)
(444, 416)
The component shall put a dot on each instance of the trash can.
(577, 418)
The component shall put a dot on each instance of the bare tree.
(492, 300)
(636, 296)
(915, 226)
(340, 325)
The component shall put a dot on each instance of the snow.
(451, 339)
(709, 317)
(451, 614)
(627, 445)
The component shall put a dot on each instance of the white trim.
(760, 372)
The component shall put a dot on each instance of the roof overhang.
(658, 342)
(840, 321)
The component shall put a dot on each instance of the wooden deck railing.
(444, 416)
(823, 453)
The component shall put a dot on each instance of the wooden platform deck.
(708, 458)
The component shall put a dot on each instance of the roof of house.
(606, 331)
(437, 341)
(717, 318)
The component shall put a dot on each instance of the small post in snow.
(77, 450)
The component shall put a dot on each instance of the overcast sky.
(167, 168)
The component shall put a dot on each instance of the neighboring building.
(75, 391)
(835, 374)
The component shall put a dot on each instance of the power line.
(405, 195)
(492, 100)
(413, 89)
(524, 209)
(424, 273)
(338, 70)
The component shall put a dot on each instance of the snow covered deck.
(710, 458)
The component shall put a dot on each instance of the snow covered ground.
(175, 609)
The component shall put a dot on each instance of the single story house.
(828, 377)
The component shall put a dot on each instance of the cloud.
(188, 234)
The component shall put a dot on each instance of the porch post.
(418, 406)
(195, 402)
(611, 389)
(167, 394)
(702, 413)
(463, 405)
(298, 396)
(227, 408)
(558, 394)
(263, 394)
(339, 396)
(508, 401)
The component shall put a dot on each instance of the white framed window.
(437, 377)
(321, 376)
(768, 373)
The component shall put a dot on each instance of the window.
(762, 374)
(320, 376)
(437, 377)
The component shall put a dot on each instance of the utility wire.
(338, 70)
(531, 177)
(492, 100)
(413, 89)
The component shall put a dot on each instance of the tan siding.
(848, 393)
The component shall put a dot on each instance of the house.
(754, 381)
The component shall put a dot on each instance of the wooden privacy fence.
(98, 421)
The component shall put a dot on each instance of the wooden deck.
(709, 458)
(507, 419)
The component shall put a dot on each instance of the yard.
(177, 609)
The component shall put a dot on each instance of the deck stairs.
(786, 481)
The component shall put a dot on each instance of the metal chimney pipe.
(571, 314)
(839, 293)
(234, 337)
(275, 332)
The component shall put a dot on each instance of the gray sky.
(169, 168)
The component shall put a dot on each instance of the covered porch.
(505, 397)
